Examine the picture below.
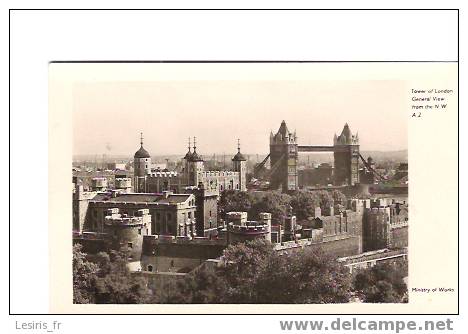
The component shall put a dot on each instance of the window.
(150, 267)
(130, 245)
(190, 215)
(210, 213)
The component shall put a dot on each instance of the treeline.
(251, 272)
(105, 279)
(303, 203)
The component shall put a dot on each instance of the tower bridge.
(284, 151)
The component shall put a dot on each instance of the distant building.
(193, 173)
(367, 175)
(116, 166)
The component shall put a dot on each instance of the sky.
(109, 116)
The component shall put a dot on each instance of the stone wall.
(399, 237)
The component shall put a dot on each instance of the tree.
(233, 200)
(326, 199)
(304, 204)
(383, 283)
(276, 203)
(201, 286)
(84, 277)
(339, 198)
(116, 284)
(253, 272)
(105, 279)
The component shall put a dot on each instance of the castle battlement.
(123, 220)
(217, 173)
(162, 174)
(250, 227)
(376, 210)
(399, 225)
(114, 218)
(154, 240)
(89, 235)
(123, 182)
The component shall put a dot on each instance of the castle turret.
(141, 166)
(126, 232)
(239, 229)
(195, 165)
(124, 184)
(186, 161)
(239, 164)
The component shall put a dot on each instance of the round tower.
(239, 164)
(126, 232)
(141, 166)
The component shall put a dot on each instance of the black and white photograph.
(240, 191)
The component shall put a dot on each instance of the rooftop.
(138, 197)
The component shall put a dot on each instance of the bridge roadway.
(308, 148)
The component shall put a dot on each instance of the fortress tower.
(194, 165)
(142, 167)
(126, 232)
(239, 165)
(186, 163)
(283, 159)
(346, 156)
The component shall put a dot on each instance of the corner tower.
(141, 167)
(239, 164)
(194, 165)
(283, 159)
(346, 156)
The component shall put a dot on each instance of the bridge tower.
(283, 159)
(346, 156)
